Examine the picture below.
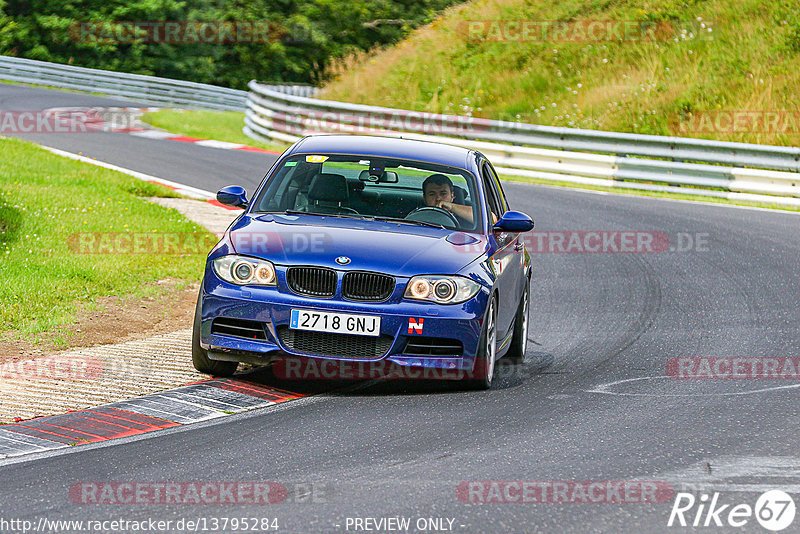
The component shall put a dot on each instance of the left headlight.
(441, 289)
(242, 271)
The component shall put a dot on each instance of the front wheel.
(483, 372)
(200, 357)
(519, 339)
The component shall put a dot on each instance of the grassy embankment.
(46, 204)
(704, 58)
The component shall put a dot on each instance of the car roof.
(389, 147)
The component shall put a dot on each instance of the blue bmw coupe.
(369, 249)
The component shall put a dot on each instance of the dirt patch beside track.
(123, 348)
(115, 320)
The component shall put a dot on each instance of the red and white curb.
(128, 120)
(209, 399)
(191, 403)
(208, 143)
(109, 118)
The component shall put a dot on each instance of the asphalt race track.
(594, 402)
(181, 162)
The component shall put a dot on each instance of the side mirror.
(233, 195)
(513, 221)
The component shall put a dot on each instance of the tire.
(519, 339)
(200, 357)
(483, 373)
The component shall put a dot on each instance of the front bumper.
(272, 308)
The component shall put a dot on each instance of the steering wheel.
(344, 210)
(434, 215)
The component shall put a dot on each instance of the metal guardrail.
(297, 89)
(149, 90)
(621, 160)
(685, 165)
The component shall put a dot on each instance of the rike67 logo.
(774, 510)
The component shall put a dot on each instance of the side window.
(498, 188)
(495, 208)
(292, 191)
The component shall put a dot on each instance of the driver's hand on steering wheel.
(459, 210)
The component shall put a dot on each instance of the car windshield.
(367, 187)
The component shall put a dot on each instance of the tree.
(303, 35)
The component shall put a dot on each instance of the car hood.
(392, 248)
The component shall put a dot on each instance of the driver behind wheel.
(437, 190)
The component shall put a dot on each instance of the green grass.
(219, 125)
(750, 61)
(46, 203)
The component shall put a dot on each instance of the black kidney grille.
(335, 345)
(368, 287)
(312, 281)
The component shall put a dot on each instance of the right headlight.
(441, 289)
(242, 271)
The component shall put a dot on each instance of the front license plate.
(339, 323)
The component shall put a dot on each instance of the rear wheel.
(200, 357)
(483, 372)
(519, 339)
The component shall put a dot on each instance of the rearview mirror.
(233, 195)
(513, 221)
(384, 177)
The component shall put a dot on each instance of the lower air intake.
(238, 328)
(433, 346)
(335, 345)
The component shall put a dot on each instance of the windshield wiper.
(340, 215)
(366, 218)
(408, 221)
